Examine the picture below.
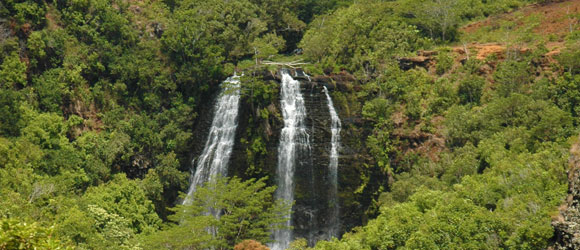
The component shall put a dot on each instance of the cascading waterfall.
(334, 222)
(215, 156)
(293, 139)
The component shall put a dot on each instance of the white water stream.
(334, 222)
(214, 159)
(293, 138)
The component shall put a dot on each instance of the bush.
(13, 72)
(470, 90)
(10, 112)
(444, 63)
(570, 58)
(22, 235)
(512, 76)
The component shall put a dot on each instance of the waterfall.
(293, 139)
(214, 159)
(334, 222)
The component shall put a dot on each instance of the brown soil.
(554, 21)
(485, 50)
(52, 19)
(555, 18)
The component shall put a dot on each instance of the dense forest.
(460, 121)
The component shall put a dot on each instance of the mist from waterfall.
(214, 159)
(293, 139)
(334, 220)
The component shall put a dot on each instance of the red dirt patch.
(485, 50)
(554, 19)
(250, 245)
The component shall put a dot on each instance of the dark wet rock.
(407, 63)
(312, 181)
(158, 29)
(202, 124)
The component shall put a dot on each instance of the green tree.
(360, 38)
(30, 12)
(22, 235)
(162, 184)
(9, 112)
(512, 77)
(125, 199)
(470, 90)
(569, 58)
(114, 228)
(12, 71)
(444, 62)
(567, 93)
(246, 211)
(267, 46)
(440, 17)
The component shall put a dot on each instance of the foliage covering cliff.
(99, 100)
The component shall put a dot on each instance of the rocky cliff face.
(312, 207)
(356, 187)
(202, 125)
(567, 224)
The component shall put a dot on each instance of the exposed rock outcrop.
(407, 63)
(567, 223)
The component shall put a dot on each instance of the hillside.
(454, 162)
(255, 124)
(552, 21)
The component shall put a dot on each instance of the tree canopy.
(102, 103)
